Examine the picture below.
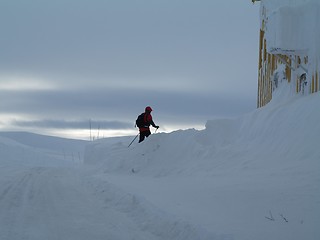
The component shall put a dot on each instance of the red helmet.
(148, 109)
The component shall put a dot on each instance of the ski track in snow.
(53, 203)
(65, 203)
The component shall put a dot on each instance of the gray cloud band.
(62, 124)
(120, 106)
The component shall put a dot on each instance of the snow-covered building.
(289, 49)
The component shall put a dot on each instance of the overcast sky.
(65, 63)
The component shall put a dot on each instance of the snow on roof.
(274, 4)
(292, 26)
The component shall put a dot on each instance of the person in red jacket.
(147, 121)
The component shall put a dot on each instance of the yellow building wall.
(268, 64)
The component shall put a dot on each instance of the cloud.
(122, 105)
(14, 82)
(63, 124)
(66, 61)
(129, 42)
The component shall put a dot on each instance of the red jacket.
(148, 121)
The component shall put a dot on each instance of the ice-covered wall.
(294, 27)
(289, 35)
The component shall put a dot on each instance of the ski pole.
(133, 140)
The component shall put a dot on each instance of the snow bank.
(266, 139)
(245, 178)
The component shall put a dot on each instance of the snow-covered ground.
(247, 178)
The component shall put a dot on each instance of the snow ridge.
(227, 177)
(269, 137)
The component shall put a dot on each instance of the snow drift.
(251, 177)
(271, 138)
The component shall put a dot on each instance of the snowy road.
(53, 203)
(57, 203)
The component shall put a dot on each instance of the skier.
(143, 123)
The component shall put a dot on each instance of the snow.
(251, 177)
(292, 28)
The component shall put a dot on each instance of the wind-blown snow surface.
(252, 177)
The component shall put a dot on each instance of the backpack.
(140, 121)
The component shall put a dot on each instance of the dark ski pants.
(144, 134)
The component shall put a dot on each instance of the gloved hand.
(157, 127)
